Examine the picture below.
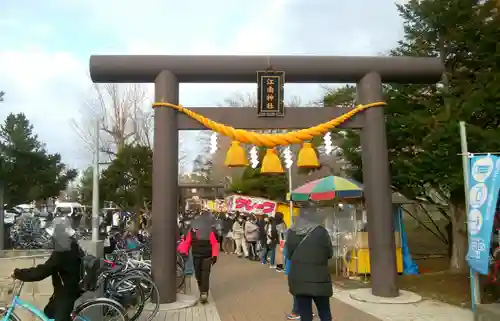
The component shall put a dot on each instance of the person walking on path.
(202, 240)
(309, 248)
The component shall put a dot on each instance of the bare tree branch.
(124, 115)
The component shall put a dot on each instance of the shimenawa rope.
(269, 140)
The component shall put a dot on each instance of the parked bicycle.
(107, 308)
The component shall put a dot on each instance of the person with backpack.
(63, 266)
(202, 241)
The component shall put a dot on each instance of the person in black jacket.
(262, 232)
(202, 241)
(309, 247)
(63, 266)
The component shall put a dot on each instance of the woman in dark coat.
(309, 248)
(63, 266)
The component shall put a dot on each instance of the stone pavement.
(249, 291)
(38, 293)
(197, 312)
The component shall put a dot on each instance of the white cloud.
(47, 87)
(44, 72)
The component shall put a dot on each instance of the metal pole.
(2, 217)
(290, 194)
(474, 276)
(95, 187)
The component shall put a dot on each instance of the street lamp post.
(95, 246)
(95, 187)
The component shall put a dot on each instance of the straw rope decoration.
(269, 140)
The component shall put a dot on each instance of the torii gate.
(166, 72)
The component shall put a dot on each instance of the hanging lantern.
(235, 156)
(307, 157)
(271, 164)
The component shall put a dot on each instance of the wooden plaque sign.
(270, 92)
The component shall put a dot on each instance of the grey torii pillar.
(165, 180)
(377, 182)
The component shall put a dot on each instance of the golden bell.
(271, 164)
(307, 157)
(235, 156)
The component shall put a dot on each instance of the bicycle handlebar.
(17, 286)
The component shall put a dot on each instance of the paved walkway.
(249, 291)
(198, 312)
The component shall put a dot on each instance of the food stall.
(346, 222)
(353, 247)
(259, 206)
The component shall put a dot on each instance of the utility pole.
(95, 246)
(95, 187)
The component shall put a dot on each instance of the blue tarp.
(409, 266)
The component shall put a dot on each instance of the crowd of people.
(302, 251)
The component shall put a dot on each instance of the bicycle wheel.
(127, 291)
(143, 281)
(180, 260)
(99, 309)
(180, 276)
(145, 285)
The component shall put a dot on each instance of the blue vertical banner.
(484, 182)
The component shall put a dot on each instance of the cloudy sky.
(45, 47)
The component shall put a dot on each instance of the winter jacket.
(262, 231)
(309, 274)
(64, 269)
(251, 232)
(199, 248)
(272, 235)
(238, 232)
(227, 225)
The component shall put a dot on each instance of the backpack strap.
(302, 241)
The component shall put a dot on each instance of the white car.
(10, 216)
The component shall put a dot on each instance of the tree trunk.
(459, 232)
